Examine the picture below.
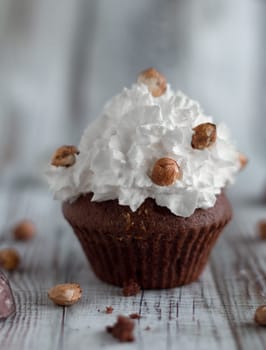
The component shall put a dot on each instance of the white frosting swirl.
(118, 150)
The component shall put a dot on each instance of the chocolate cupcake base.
(151, 246)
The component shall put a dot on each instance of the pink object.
(7, 302)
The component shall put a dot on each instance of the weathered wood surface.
(59, 62)
(215, 312)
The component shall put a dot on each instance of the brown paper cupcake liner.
(153, 259)
(152, 263)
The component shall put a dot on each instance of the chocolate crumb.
(135, 316)
(130, 288)
(109, 309)
(147, 328)
(122, 329)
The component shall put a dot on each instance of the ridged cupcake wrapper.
(154, 262)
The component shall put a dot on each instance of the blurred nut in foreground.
(9, 259)
(204, 136)
(166, 172)
(65, 294)
(65, 156)
(260, 315)
(24, 230)
(243, 160)
(7, 302)
(262, 229)
(154, 80)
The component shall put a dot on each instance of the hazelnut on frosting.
(243, 160)
(204, 136)
(119, 152)
(154, 80)
(165, 172)
(65, 156)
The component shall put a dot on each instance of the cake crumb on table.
(122, 329)
(130, 288)
(109, 309)
(135, 316)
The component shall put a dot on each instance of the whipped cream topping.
(118, 150)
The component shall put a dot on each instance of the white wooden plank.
(39, 92)
(191, 316)
(239, 270)
(35, 65)
(216, 312)
(130, 36)
(36, 321)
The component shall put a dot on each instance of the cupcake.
(144, 190)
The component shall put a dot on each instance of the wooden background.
(59, 62)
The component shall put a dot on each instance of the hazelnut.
(243, 160)
(204, 136)
(65, 156)
(9, 259)
(24, 230)
(65, 294)
(154, 80)
(166, 172)
(260, 315)
(262, 229)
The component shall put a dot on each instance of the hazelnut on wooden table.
(166, 172)
(260, 315)
(9, 259)
(65, 156)
(24, 230)
(261, 225)
(65, 294)
(204, 136)
(154, 80)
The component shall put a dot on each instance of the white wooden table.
(59, 62)
(214, 313)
